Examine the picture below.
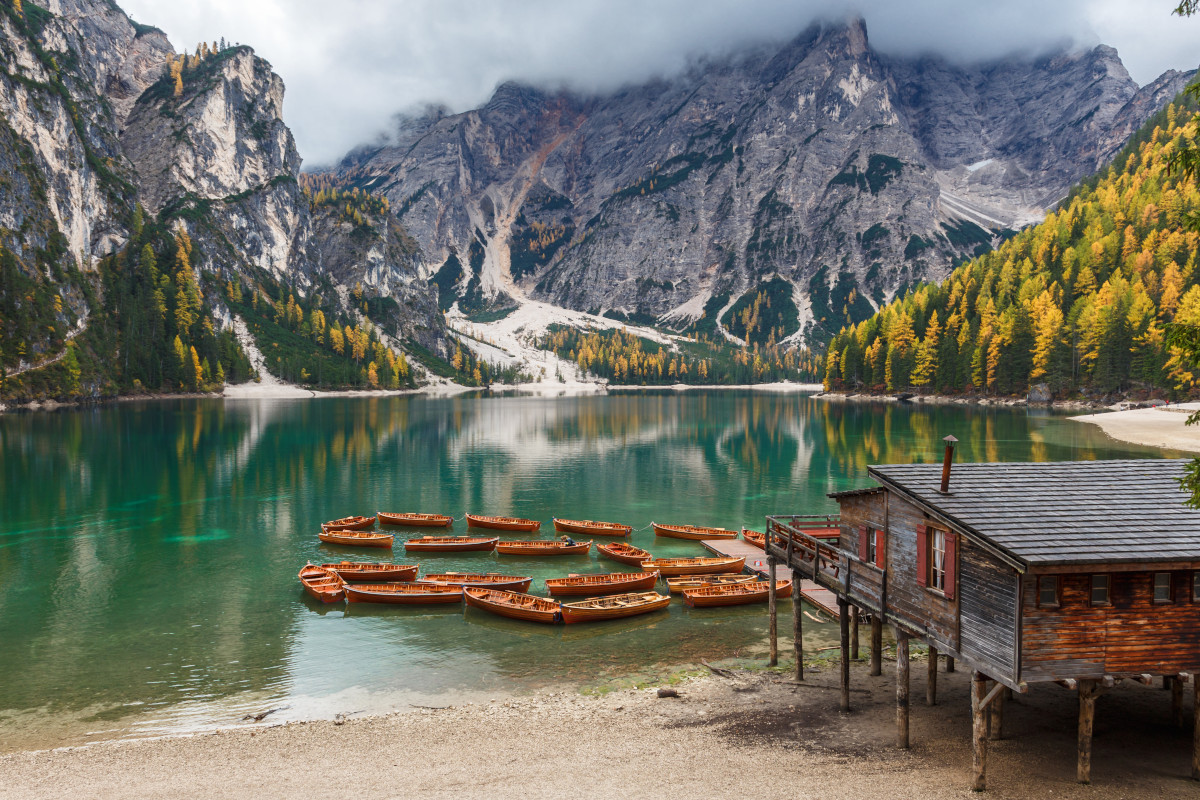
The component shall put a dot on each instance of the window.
(1162, 587)
(1099, 596)
(871, 545)
(1196, 587)
(1047, 591)
(937, 560)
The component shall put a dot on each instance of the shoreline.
(1162, 426)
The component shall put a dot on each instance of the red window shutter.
(879, 551)
(863, 550)
(922, 556)
(951, 564)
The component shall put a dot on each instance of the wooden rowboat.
(418, 520)
(736, 594)
(356, 538)
(451, 544)
(670, 567)
(513, 604)
(625, 553)
(349, 524)
(490, 580)
(546, 547)
(591, 527)
(403, 593)
(615, 607)
(755, 538)
(321, 583)
(692, 532)
(370, 573)
(678, 584)
(592, 585)
(502, 523)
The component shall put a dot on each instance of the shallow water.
(148, 551)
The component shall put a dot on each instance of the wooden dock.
(756, 564)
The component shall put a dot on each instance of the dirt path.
(754, 736)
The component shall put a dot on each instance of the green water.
(149, 551)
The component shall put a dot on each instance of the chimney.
(950, 442)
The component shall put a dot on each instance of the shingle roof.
(1066, 512)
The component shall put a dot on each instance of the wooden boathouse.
(1084, 574)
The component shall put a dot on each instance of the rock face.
(848, 174)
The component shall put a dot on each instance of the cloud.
(351, 66)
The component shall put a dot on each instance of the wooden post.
(854, 633)
(844, 619)
(876, 644)
(978, 732)
(949, 664)
(798, 624)
(931, 684)
(996, 715)
(772, 625)
(1177, 702)
(1087, 716)
(901, 689)
(1195, 727)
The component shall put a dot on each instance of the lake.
(149, 550)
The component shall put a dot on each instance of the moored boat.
(356, 538)
(694, 532)
(370, 573)
(490, 580)
(592, 585)
(670, 567)
(676, 585)
(591, 527)
(624, 553)
(349, 524)
(403, 593)
(513, 604)
(321, 583)
(614, 607)
(502, 523)
(755, 538)
(735, 594)
(451, 544)
(414, 520)
(546, 547)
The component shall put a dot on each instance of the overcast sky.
(350, 65)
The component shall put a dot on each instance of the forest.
(1078, 303)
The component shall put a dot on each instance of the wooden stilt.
(798, 624)
(854, 633)
(1087, 717)
(1177, 702)
(901, 689)
(996, 713)
(931, 683)
(772, 612)
(949, 664)
(876, 644)
(844, 618)
(978, 732)
(1195, 727)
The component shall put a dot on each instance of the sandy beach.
(1163, 426)
(753, 734)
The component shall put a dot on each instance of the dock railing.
(800, 541)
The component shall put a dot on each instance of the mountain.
(132, 171)
(822, 166)
(1077, 303)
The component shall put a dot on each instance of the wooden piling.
(854, 633)
(844, 619)
(931, 683)
(1087, 718)
(978, 732)
(901, 689)
(996, 718)
(876, 644)
(1177, 702)
(949, 664)
(772, 612)
(1195, 727)
(798, 624)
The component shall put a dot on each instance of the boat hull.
(583, 612)
(619, 583)
(513, 605)
(321, 583)
(502, 523)
(349, 524)
(463, 545)
(692, 532)
(373, 573)
(755, 538)
(509, 583)
(547, 548)
(741, 594)
(624, 555)
(591, 528)
(415, 520)
(677, 585)
(374, 540)
(404, 594)
(669, 567)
